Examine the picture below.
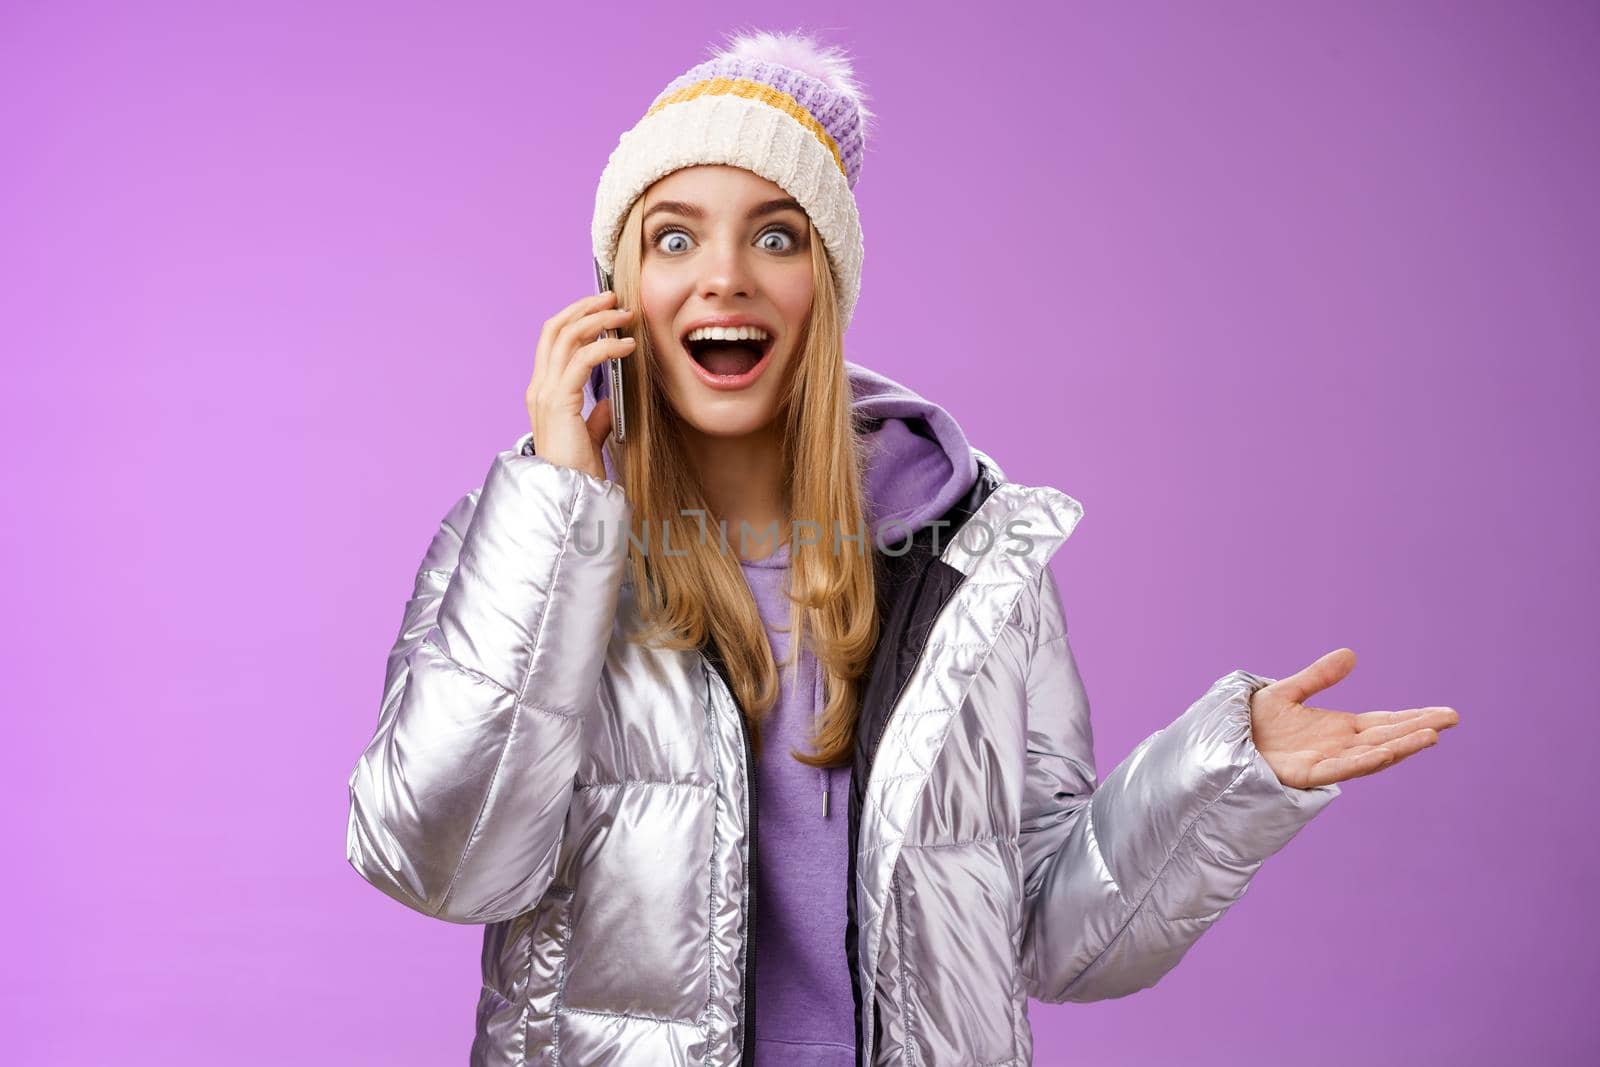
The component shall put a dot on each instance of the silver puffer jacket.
(590, 801)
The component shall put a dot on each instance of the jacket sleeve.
(458, 803)
(1122, 879)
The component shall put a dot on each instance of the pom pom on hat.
(829, 64)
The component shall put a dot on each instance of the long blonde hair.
(699, 585)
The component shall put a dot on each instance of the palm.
(1307, 746)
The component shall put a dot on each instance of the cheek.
(658, 304)
(795, 300)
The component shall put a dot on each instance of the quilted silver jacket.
(590, 802)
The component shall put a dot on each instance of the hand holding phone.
(573, 343)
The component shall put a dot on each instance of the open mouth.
(728, 359)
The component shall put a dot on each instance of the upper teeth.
(727, 333)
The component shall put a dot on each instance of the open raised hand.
(1307, 746)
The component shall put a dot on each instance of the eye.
(793, 239)
(668, 231)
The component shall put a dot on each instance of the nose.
(725, 271)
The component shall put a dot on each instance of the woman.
(584, 743)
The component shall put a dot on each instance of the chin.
(729, 416)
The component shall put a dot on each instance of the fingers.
(586, 328)
(1440, 718)
(591, 355)
(579, 334)
(558, 322)
(1401, 747)
(1403, 723)
(1325, 672)
(553, 391)
(1361, 761)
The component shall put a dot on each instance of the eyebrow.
(695, 211)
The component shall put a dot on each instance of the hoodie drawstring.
(824, 774)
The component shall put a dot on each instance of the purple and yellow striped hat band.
(778, 105)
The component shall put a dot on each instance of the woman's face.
(723, 245)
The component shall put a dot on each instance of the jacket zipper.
(870, 1011)
(985, 485)
(747, 1051)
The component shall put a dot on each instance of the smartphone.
(613, 367)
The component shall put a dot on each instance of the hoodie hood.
(918, 462)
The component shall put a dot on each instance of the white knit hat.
(779, 105)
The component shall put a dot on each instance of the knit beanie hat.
(779, 105)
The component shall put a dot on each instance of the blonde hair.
(699, 586)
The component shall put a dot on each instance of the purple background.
(1299, 300)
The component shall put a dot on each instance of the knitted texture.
(780, 106)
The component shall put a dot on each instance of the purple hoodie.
(918, 465)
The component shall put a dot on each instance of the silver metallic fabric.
(585, 799)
